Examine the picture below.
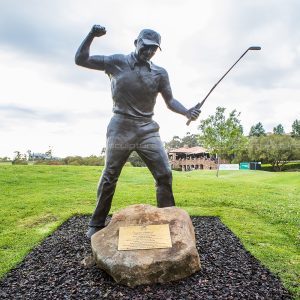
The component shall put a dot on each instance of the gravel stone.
(53, 270)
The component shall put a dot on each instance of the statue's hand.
(98, 30)
(193, 113)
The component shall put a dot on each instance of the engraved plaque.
(144, 237)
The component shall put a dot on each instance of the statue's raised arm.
(83, 58)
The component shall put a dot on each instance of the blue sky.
(46, 100)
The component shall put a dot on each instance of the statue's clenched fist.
(98, 30)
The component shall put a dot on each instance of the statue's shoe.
(93, 230)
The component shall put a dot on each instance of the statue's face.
(145, 52)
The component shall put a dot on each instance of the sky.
(48, 101)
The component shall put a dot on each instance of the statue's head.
(146, 44)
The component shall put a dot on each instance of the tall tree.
(29, 152)
(223, 135)
(48, 153)
(279, 130)
(18, 155)
(296, 128)
(257, 130)
(174, 143)
(274, 149)
(190, 140)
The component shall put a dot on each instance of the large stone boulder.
(135, 267)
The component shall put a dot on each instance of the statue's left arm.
(172, 103)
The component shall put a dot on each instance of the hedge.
(288, 167)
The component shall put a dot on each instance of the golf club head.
(254, 48)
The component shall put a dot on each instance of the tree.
(296, 128)
(174, 143)
(48, 153)
(20, 158)
(190, 140)
(5, 158)
(223, 136)
(18, 155)
(135, 160)
(29, 152)
(279, 130)
(274, 149)
(257, 130)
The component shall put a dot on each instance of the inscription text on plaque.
(144, 237)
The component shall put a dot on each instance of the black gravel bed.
(53, 270)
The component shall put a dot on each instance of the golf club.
(199, 105)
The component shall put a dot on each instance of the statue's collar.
(133, 61)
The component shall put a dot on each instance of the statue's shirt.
(134, 85)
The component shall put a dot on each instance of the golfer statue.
(135, 84)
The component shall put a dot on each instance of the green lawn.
(261, 208)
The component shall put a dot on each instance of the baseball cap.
(150, 37)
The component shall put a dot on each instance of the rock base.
(136, 267)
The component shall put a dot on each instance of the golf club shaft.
(199, 105)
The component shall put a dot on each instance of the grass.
(261, 208)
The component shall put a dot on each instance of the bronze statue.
(135, 84)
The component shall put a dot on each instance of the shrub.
(20, 162)
(128, 164)
(86, 161)
(288, 167)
